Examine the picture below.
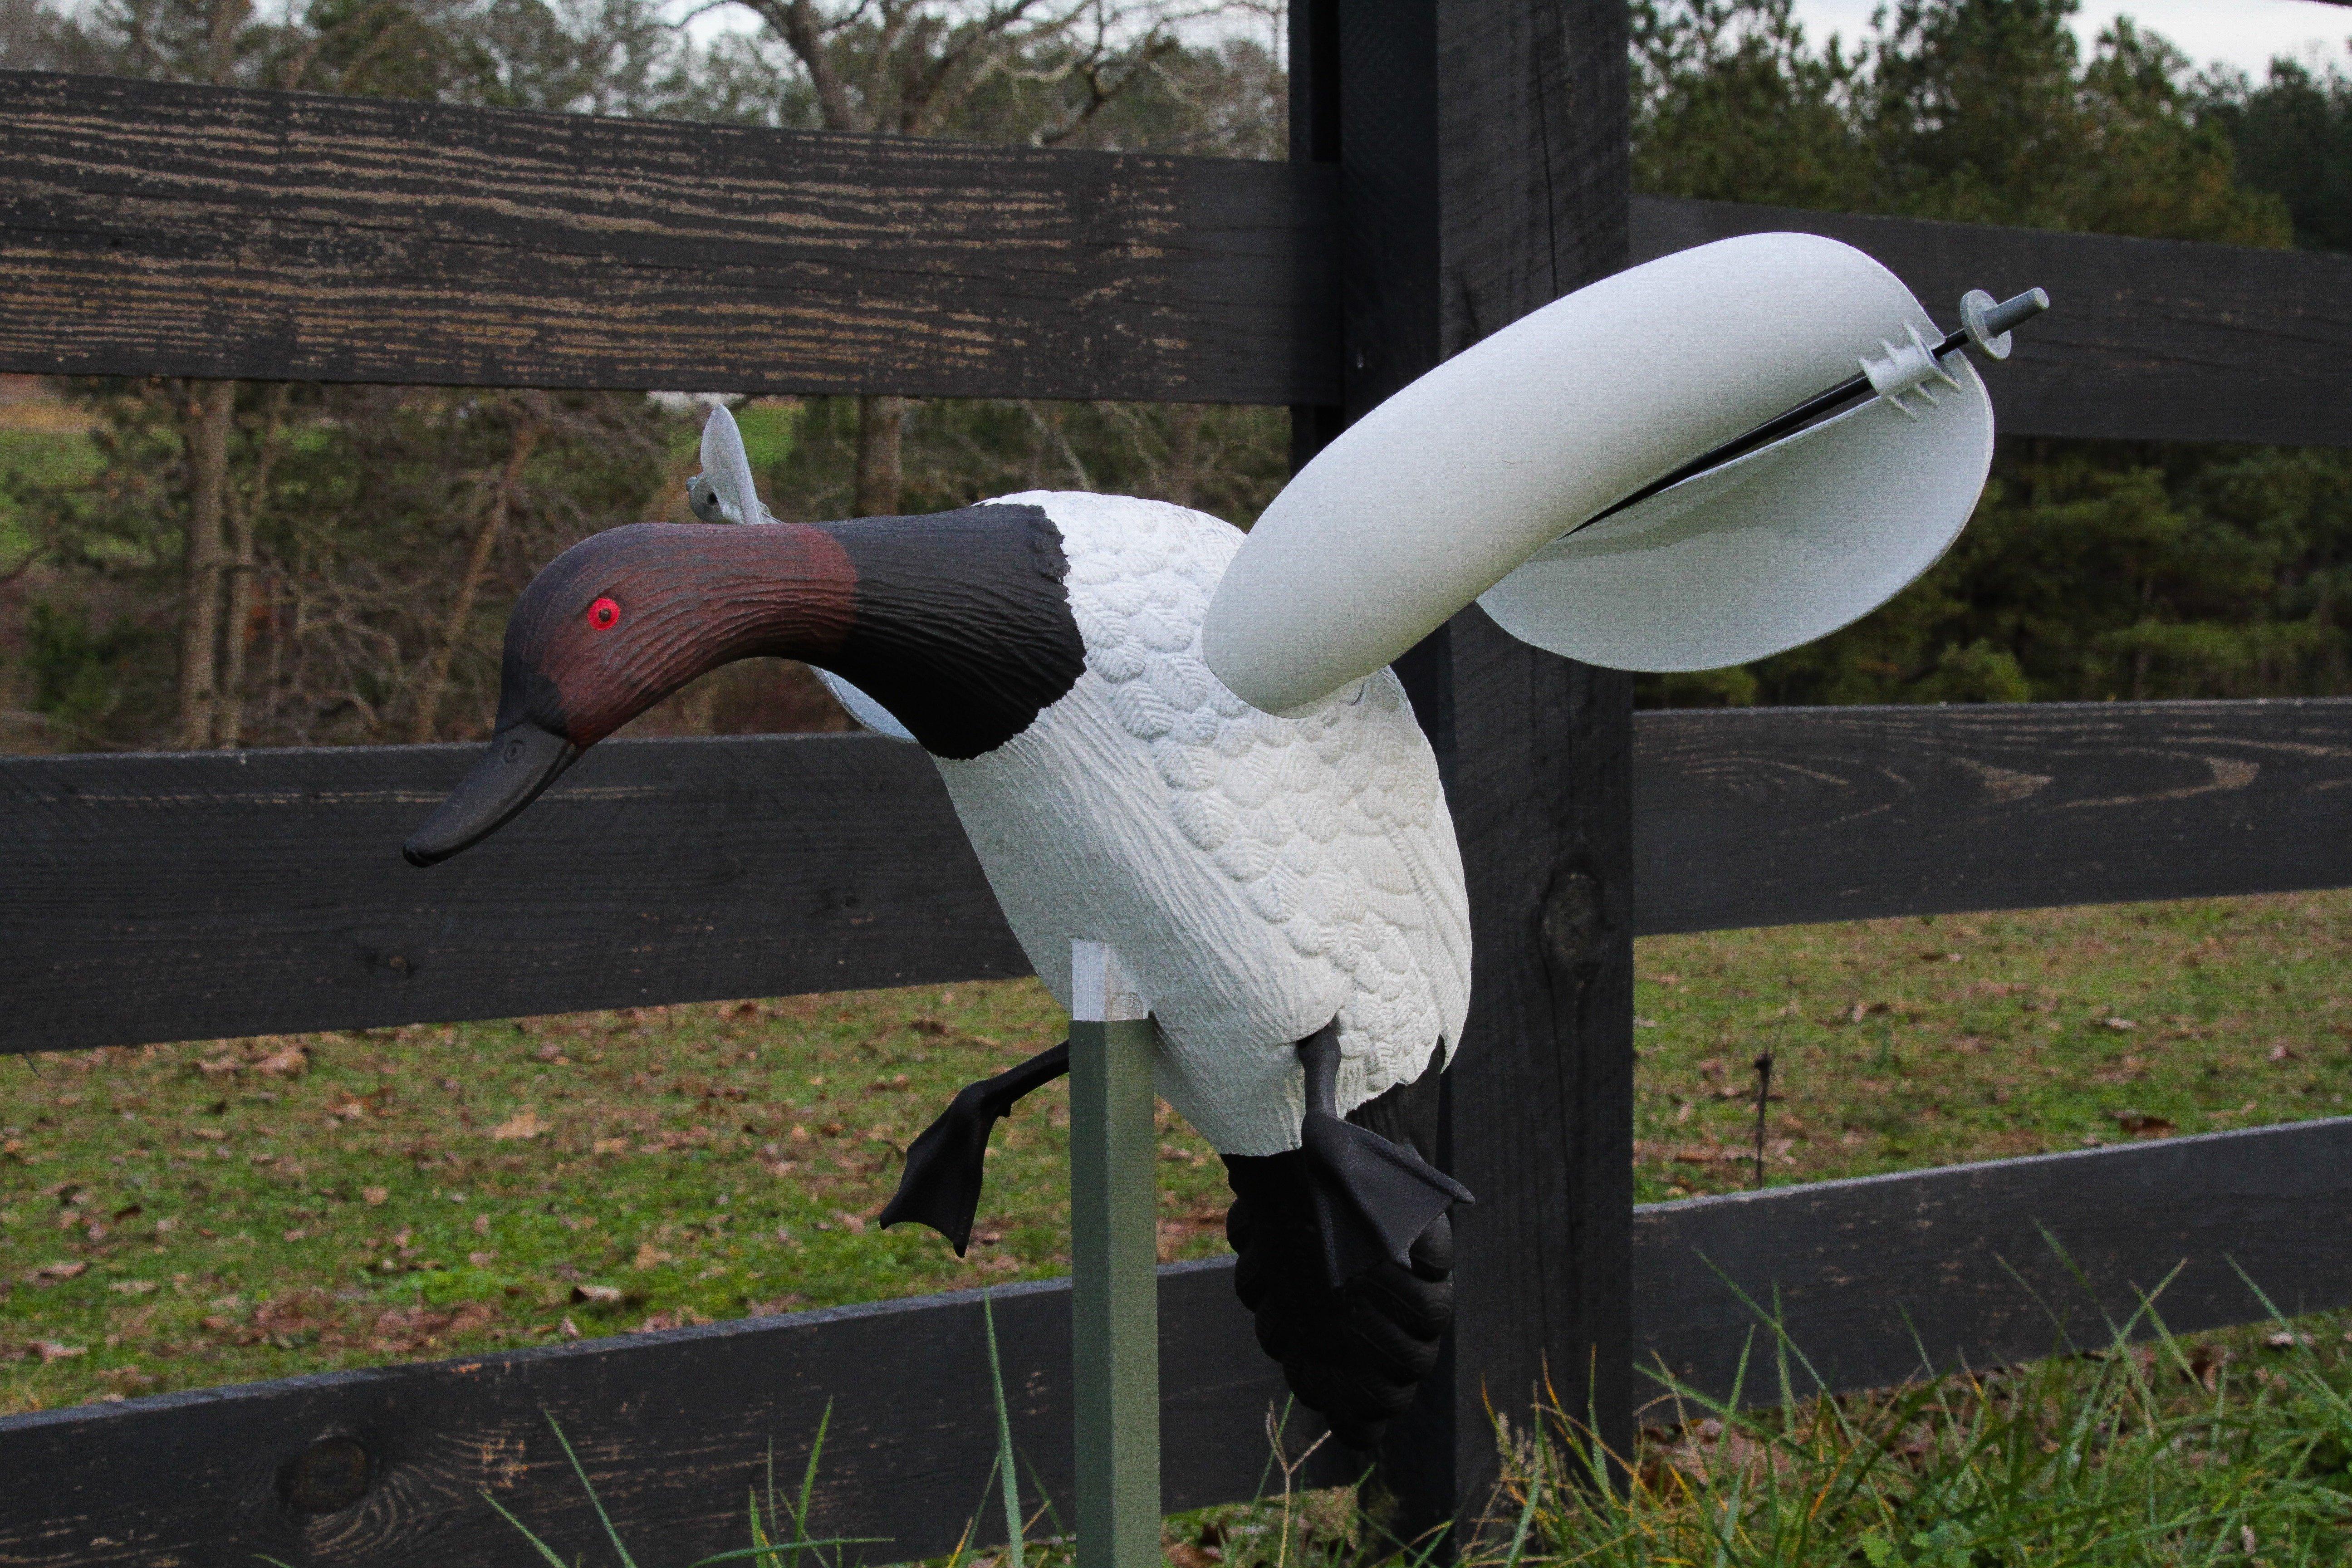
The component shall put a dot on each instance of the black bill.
(523, 760)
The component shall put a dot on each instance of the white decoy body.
(1259, 876)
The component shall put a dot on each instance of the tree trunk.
(237, 635)
(220, 46)
(214, 412)
(478, 566)
(880, 421)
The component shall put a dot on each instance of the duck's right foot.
(1374, 1196)
(946, 1164)
(1356, 1320)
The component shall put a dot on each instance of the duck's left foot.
(945, 1164)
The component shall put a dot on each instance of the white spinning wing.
(1473, 482)
(729, 464)
(862, 707)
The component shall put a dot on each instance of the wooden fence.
(1451, 169)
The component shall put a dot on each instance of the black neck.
(962, 628)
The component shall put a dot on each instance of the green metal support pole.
(1114, 1249)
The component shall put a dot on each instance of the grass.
(1905, 1043)
(2150, 1455)
(183, 1217)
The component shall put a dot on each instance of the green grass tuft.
(2135, 1455)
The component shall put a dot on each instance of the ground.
(178, 1217)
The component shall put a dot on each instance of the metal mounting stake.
(1114, 1254)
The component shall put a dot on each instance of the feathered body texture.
(1259, 876)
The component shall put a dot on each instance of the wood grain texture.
(673, 1429)
(155, 898)
(1779, 816)
(2145, 339)
(1532, 136)
(1366, 98)
(1956, 1262)
(147, 227)
(152, 227)
(167, 897)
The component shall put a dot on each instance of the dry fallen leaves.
(286, 1062)
(649, 1257)
(523, 1124)
(373, 1196)
(678, 1318)
(582, 1294)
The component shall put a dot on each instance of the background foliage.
(207, 564)
(2091, 569)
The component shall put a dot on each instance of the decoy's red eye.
(603, 614)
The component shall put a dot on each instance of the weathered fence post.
(1482, 150)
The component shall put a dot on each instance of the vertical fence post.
(1114, 1251)
(1482, 146)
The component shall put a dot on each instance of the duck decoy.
(1164, 736)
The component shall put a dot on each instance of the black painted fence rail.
(385, 1469)
(179, 896)
(163, 229)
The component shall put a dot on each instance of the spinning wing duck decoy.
(1188, 745)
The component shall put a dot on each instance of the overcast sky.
(2247, 34)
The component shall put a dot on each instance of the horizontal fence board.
(189, 896)
(161, 228)
(1956, 1262)
(1772, 816)
(163, 897)
(2145, 339)
(675, 1427)
(148, 228)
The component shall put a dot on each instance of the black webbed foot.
(1354, 1344)
(945, 1164)
(1373, 1198)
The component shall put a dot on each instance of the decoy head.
(622, 620)
(956, 624)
